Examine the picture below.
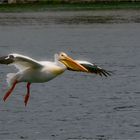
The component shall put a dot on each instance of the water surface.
(74, 106)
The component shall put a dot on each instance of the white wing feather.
(22, 62)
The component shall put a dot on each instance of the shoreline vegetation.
(58, 5)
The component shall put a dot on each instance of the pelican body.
(33, 71)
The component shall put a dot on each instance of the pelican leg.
(10, 91)
(28, 94)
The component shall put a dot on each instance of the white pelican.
(33, 71)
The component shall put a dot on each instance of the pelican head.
(70, 63)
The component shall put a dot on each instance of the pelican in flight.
(33, 71)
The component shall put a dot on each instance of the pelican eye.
(63, 55)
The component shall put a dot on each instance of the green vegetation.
(56, 5)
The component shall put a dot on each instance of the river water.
(74, 106)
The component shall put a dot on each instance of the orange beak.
(72, 64)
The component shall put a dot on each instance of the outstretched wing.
(20, 61)
(92, 68)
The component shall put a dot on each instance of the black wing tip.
(105, 73)
(7, 59)
(101, 72)
(97, 70)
